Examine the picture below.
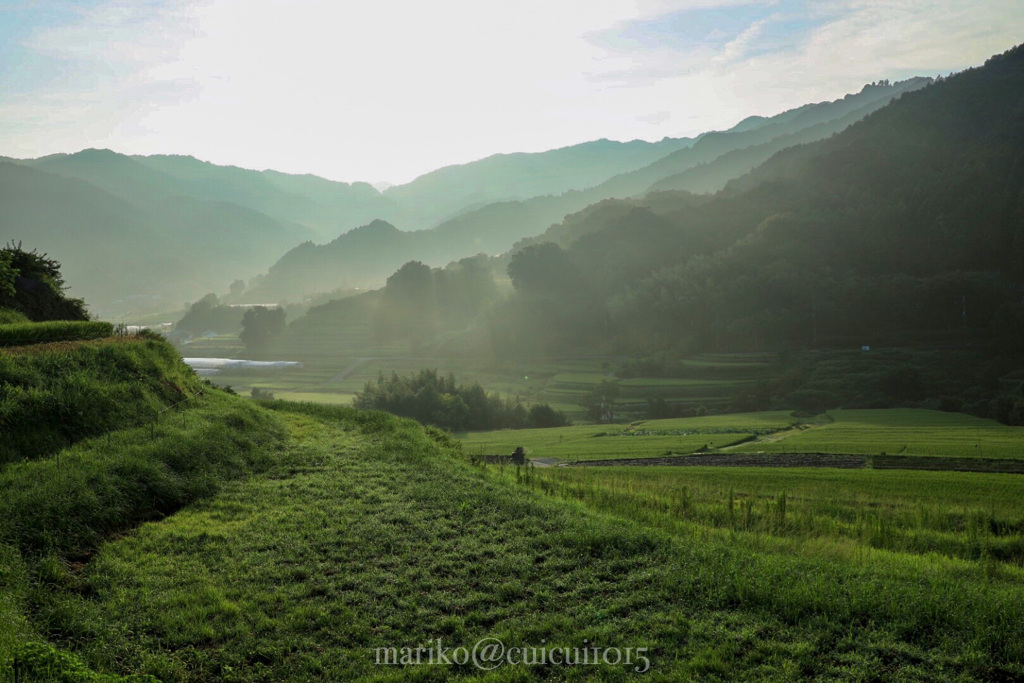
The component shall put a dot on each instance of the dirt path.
(546, 462)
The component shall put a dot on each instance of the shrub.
(9, 316)
(30, 282)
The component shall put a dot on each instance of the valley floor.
(370, 532)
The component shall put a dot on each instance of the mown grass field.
(642, 439)
(902, 432)
(370, 532)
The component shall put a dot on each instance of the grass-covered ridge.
(25, 333)
(371, 531)
(58, 508)
(54, 395)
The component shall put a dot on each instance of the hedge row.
(22, 334)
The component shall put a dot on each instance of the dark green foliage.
(418, 302)
(51, 397)
(949, 380)
(543, 415)
(23, 334)
(208, 315)
(31, 283)
(555, 307)
(8, 275)
(599, 402)
(260, 325)
(905, 228)
(436, 400)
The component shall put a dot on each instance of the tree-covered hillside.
(364, 256)
(911, 220)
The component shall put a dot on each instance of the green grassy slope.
(371, 532)
(54, 395)
(58, 508)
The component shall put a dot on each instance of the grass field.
(902, 432)
(872, 432)
(369, 533)
(838, 513)
(647, 438)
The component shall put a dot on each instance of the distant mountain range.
(365, 256)
(908, 222)
(139, 232)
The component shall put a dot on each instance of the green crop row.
(23, 334)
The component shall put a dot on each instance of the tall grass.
(968, 516)
(25, 333)
(9, 316)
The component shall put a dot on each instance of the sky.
(385, 90)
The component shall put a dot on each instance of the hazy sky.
(388, 89)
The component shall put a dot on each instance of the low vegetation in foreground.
(369, 531)
(60, 506)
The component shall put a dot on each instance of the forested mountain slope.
(366, 256)
(910, 220)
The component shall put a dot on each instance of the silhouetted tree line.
(260, 325)
(209, 315)
(418, 302)
(431, 398)
(908, 222)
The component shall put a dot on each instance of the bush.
(31, 283)
(440, 401)
(9, 316)
(542, 415)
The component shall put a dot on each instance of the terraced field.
(650, 438)
(901, 432)
(712, 379)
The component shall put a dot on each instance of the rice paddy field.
(893, 432)
(335, 368)
(901, 432)
(643, 439)
(842, 513)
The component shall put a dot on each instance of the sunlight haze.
(386, 91)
